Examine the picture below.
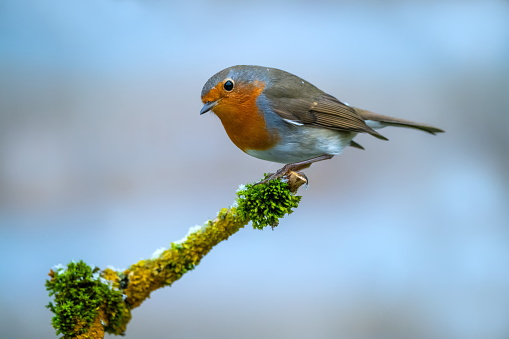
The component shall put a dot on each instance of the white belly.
(303, 143)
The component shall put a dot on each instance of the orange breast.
(243, 121)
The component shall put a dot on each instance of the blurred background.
(104, 157)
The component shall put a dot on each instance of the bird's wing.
(323, 110)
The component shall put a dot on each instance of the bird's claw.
(295, 179)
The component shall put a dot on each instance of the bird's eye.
(228, 85)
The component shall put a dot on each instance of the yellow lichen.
(96, 329)
(151, 274)
(126, 290)
(111, 276)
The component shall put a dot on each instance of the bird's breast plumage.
(244, 121)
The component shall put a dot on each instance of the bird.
(276, 116)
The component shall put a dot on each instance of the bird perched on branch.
(276, 116)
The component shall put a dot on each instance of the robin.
(274, 115)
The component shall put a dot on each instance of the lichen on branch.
(88, 302)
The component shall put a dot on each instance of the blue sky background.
(104, 157)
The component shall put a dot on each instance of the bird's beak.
(208, 106)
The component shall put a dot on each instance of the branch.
(89, 302)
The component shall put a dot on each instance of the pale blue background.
(103, 157)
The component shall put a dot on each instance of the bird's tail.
(374, 120)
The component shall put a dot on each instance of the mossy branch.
(88, 302)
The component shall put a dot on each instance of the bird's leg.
(295, 167)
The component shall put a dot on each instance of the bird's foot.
(294, 179)
(295, 167)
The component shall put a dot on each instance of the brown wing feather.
(295, 99)
(324, 111)
(332, 113)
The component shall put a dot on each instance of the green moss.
(87, 302)
(265, 203)
(81, 295)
